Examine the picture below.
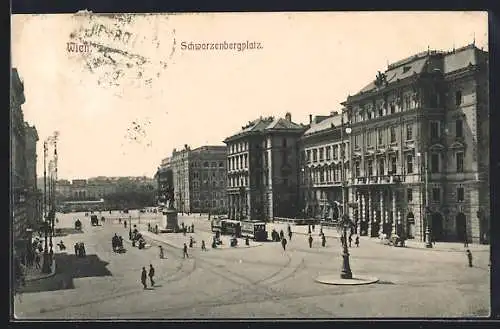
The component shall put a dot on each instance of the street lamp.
(423, 157)
(345, 221)
(46, 265)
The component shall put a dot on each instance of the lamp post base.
(346, 268)
(46, 262)
(428, 242)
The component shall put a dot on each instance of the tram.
(255, 230)
(230, 227)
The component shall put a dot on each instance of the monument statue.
(170, 222)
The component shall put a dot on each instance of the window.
(409, 132)
(380, 136)
(459, 128)
(380, 111)
(434, 100)
(369, 114)
(357, 169)
(315, 155)
(205, 164)
(409, 164)
(221, 164)
(436, 194)
(328, 151)
(321, 153)
(393, 134)
(308, 155)
(406, 69)
(434, 129)
(370, 167)
(335, 152)
(369, 138)
(356, 141)
(409, 195)
(394, 165)
(381, 169)
(458, 98)
(460, 194)
(460, 162)
(435, 163)
(393, 108)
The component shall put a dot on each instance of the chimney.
(288, 116)
(310, 118)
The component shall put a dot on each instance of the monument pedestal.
(169, 221)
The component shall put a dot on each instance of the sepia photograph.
(286, 165)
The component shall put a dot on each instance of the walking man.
(356, 242)
(350, 240)
(283, 243)
(185, 254)
(144, 276)
(290, 235)
(323, 240)
(162, 254)
(466, 242)
(203, 247)
(469, 257)
(310, 241)
(151, 274)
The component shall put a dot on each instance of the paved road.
(255, 282)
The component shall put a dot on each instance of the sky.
(120, 111)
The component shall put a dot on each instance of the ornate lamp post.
(428, 242)
(345, 222)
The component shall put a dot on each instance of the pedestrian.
(282, 235)
(191, 242)
(192, 228)
(313, 227)
(356, 242)
(309, 228)
(125, 224)
(469, 257)
(283, 243)
(120, 220)
(162, 254)
(350, 240)
(76, 249)
(151, 274)
(185, 254)
(310, 241)
(203, 247)
(466, 242)
(37, 261)
(144, 276)
(323, 241)
(290, 235)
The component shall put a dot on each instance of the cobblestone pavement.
(255, 282)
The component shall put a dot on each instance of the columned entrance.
(461, 227)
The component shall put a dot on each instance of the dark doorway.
(461, 227)
(376, 224)
(437, 226)
(410, 221)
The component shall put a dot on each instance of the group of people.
(80, 249)
(145, 274)
(117, 243)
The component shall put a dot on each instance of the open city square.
(364, 195)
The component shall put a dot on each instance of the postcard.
(287, 165)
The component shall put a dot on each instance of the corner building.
(263, 169)
(424, 117)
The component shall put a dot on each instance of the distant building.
(199, 178)
(165, 181)
(263, 165)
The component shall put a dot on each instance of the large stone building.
(419, 145)
(25, 201)
(165, 181)
(263, 165)
(198, 177)
(321, 166)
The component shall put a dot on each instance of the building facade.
(321, 167)
(419, 148)
(165, 181)
(199, 178)
(25, 198)
(263, 169)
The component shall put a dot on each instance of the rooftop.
(271, 123)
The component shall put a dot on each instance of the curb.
(45, 276)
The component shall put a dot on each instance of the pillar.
(393, 218)
(361, 215)
(402, 227)
(368, 211)
(382, 217)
